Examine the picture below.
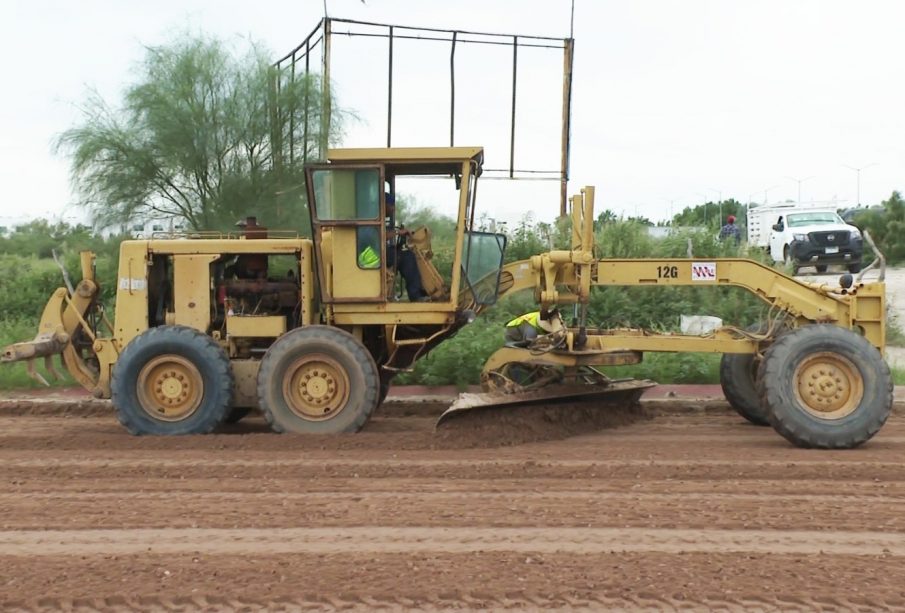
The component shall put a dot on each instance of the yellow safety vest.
(530, 318)
(369, 258)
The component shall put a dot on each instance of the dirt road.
(667, 511)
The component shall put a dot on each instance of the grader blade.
(624, 392)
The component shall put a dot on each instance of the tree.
(886, 226)
(708, 214)
(199, 136)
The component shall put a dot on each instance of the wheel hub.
(828, 385)
(316, 387)
(170, 388)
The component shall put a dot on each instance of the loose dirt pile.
(517, 425)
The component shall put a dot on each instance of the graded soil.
(664, 507)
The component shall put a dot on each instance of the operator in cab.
(402, 259)
(526, 328)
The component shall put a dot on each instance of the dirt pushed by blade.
(518, 424)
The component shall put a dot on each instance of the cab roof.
(406, 155)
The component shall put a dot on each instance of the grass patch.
(898, 376)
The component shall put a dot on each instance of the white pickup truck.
(805, 236)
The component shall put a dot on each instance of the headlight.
(800, 237)
(856, 233)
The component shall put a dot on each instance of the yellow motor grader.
(209, 326)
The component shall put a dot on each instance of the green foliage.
(28, 277)
(672, 368)
(459, 361)
(887, 226)
(707, 215)
(527, 240)
(201, 136)
(898, 376)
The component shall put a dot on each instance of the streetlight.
(672, 202)
(799, 181)
(767, 189)
(858, 172)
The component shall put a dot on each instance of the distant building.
(148, 228)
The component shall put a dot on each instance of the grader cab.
(208, 326)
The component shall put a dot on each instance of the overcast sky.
(673, 100)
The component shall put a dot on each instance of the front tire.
(318, 380)
(172, 380)
(737, 378)
(790, 261)
(825, 387)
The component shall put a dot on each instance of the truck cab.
(815, 238)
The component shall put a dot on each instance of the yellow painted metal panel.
(255, 326)
(132, 291)
(192, 290)
(403, 154)
(349, 280)
(307, 315)
(273, 246)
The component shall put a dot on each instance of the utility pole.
(671, 202)
(706, 197)
(858, 172)
(799, 181)
(720, 204)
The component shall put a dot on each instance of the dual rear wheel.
(173, 380)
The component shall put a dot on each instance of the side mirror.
(777, 227)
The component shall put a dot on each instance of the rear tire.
(821, 268)
(854, 268)
(825, 387)
(318, 380)
(172, 380)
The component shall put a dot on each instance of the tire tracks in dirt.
(381, 539)
(448, 602)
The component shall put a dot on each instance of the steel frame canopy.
(302, 63)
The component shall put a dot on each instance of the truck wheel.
(172, 380)
(821, 268)
(737, 376)
(318, 380)
(854, 268)
(790, 262)
(825, 387)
